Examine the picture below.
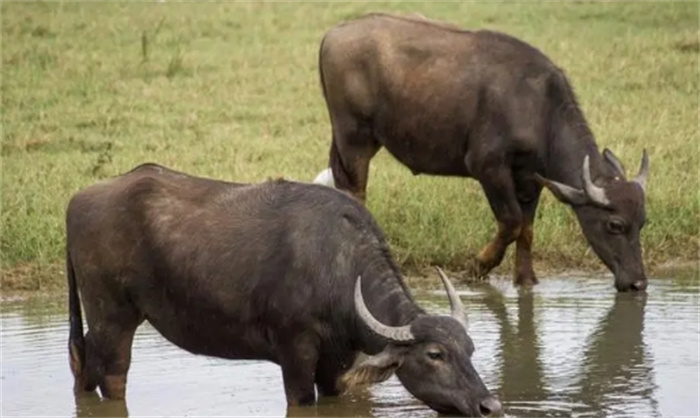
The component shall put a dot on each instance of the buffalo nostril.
(490, 406)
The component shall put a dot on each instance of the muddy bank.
(27, 281)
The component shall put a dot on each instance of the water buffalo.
(480, 104)
(296, 274)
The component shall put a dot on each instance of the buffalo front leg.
(298, 357)
(500, 192)
(331, 366)
(352, 149)
(524, 273)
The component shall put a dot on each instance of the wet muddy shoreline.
(424, 277)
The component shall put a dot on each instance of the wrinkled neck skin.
(567, 150)
(389, 302)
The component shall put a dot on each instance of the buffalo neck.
(388, 299)
(571, 141)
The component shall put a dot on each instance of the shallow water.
(569, 347)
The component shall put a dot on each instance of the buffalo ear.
(372, 369)
(614, 162)
(566, 194)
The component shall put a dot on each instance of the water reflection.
(91, 405)
(343, 406)
(521, 374)
(616, 367)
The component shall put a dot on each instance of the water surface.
(570, 347)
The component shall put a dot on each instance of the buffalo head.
(611, 216)
(431, 356)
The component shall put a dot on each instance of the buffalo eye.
(616, 226)
(434, 354)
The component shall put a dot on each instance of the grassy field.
(231, 90)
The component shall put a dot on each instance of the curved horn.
(641, 178)
(595, 193)
(455, 301)
(396, 334)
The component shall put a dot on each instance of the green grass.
(231, 90)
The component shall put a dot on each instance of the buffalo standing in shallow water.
(481, 104)
(292, 273)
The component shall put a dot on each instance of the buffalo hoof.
(475, 271)
(525, 279)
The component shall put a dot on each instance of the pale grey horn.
(455, 302)
(641, 178)
(595, 193)
(397, 334)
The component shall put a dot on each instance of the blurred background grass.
(230, 90)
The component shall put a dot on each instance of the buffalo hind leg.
(352, 148)
(108, 357)
(298, 358)
(112, 321)
(498, 186)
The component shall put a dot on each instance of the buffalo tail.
(76, 340)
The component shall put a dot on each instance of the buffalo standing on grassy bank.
(292, 273)
(481, 104)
